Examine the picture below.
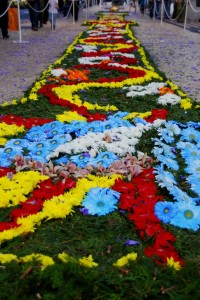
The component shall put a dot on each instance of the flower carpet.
(100, 174)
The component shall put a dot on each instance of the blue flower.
(17, 143)
(80, 160)
(165, 136)
(194, 181)
(119, 114)
(105, 159)
(55, 132)
(62, 160)
(35, 134)
(164, 178)
(140, 120)
(187, 216)
(179, 195)
(38, 155)
(172, 128)
(190, 135)
(131, 242)
(189, 154)
(101, 201)
(165, 211)
(184, 145)
(194, 168)
(168, 161)
(8, 154)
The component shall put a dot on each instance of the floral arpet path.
(49, 170)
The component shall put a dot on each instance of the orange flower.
(77, 75)
(165, 90)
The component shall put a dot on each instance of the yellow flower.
(124, 260)
(5, 104)
(69, 116)
(33, 96)
(14, 102)
(44, 260)
(6, 258)
(87, 262)
(64, 257)
(186, 103)
(172, 264)
(23, 100)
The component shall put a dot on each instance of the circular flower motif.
(101, 201)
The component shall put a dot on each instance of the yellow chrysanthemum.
(186, 103)
(69, 116)
(88, 262)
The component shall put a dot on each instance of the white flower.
(168, 98)
(58, 72)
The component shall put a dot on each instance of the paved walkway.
(176, 52)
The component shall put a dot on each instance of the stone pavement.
(176, 52)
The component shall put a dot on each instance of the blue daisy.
(189, 154)
(190, 135)
(105, 159)
(194, 181)
(165, 211)
(172, 128)
(164, 178)
(35, 134)
(180, 195)
(52, 125)
(55, 132)
(168, 161)
(62, 160)
(101, 201)
(184, 145)
(38, 155)
(164, 135)
(17, 143)
(80, 160)
(187, 216)
(194, 168)
(193, 124)
(8, 154)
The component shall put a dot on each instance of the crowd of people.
(40, 12)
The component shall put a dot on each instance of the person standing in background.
(33, 7)
(46, 12)
(4, 18)
(41, 13)
(75, 10)
(53, 12)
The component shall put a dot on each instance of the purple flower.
(10, 175)
(84, 211)
(131, 242)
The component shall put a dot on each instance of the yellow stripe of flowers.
(8, 130)
(138, 115)
(59, 207)
(14, 189)
(69, 116)
(46, 261)
(66, 92)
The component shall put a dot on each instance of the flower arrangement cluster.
(88, 156)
